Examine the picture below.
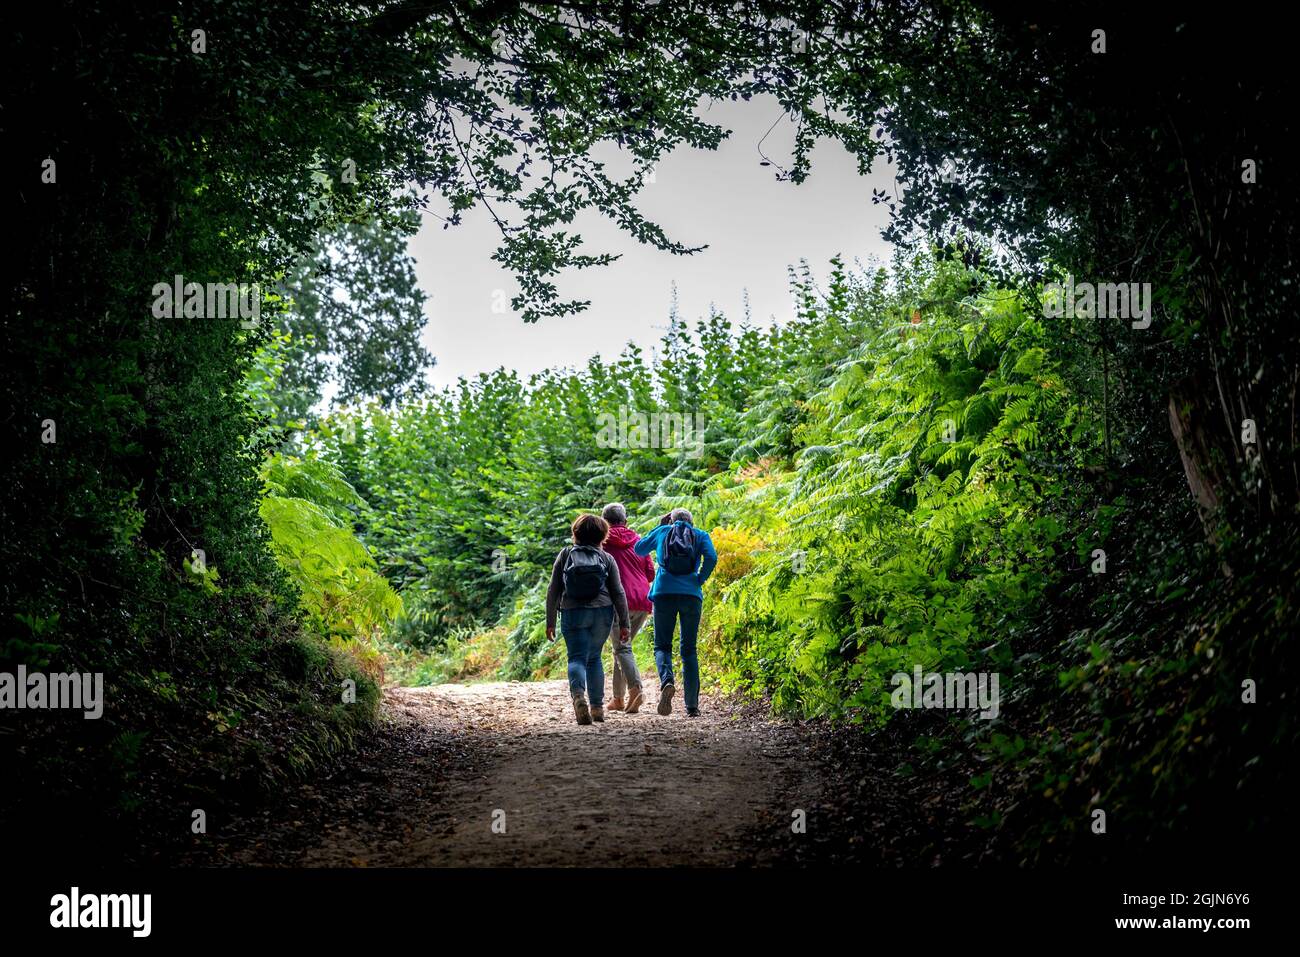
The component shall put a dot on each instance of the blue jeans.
(585, 631)
(668, 608)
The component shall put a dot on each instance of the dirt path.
(637, 790)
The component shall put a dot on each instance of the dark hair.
(666, 518)
(589, 530)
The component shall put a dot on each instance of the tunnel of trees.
(935, 462)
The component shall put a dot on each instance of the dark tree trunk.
(1189, 419)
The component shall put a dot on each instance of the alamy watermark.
(36, 691)
(936, 689)
(179, 299)
(76, 909)
(632, 429)
(1103, 300)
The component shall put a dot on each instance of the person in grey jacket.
(587, 592)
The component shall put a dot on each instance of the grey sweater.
(611, 593)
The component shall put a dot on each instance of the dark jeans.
(585, 631)
(668, 608)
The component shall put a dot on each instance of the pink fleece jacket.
(636, 571)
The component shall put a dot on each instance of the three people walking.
(604, 584)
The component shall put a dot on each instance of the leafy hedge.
(933, 498)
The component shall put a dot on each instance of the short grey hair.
(615, 513)
(681, 515)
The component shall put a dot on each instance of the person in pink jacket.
(636, 572)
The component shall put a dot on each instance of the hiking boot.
(616, 704)
(580, 710)
(597, 713)
(692, 712)
(634, 699)
(666, 698)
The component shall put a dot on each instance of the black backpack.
(679, 552)
(584, 573)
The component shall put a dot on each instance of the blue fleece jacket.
(666, 583)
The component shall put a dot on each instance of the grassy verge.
(231, 715)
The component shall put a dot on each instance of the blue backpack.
(679, 552)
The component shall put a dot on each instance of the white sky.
(755, 228)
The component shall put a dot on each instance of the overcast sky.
(754, 226)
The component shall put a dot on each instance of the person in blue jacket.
(685, 556)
